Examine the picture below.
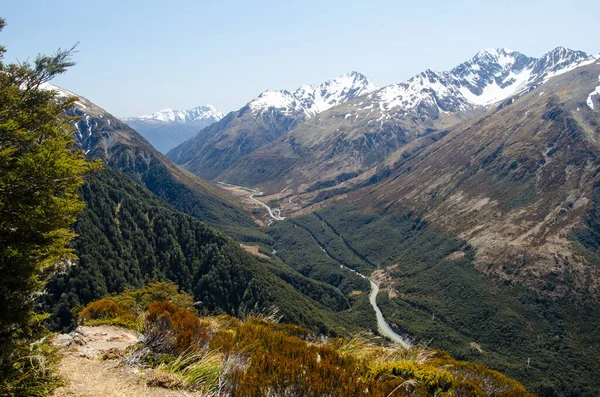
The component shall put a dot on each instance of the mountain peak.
(198, 113)
(282, 100)
(312, 99)
(562, 50)
(167, 128)
(560, 60)
(564, 54)
(497, 58)
(494, 52)
(354, 75)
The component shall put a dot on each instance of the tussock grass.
(197, 370)
(257, 356)
(32, 373)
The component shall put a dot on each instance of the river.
(382, 325)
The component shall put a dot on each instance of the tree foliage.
(40, 172)
(128, 237)
(550, 345)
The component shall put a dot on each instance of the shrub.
(258, 357)
(156, 291)
(171, 329)
(104, 308)
(125, 309)
(427, 379)
(107, 311)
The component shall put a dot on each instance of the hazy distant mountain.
(356, 135)
(167, 128)
(262, 120)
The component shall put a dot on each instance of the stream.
(382, 325)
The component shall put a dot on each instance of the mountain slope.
(486, 239)
(350, 138)
(513, 183)
(431, 290)
(168, 128)
(103, 136)
(127, 237)
(262, 120)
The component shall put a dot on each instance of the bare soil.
(87, 374)
(253, 249)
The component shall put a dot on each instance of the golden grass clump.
(197, 370)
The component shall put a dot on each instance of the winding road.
(275, 214)
(382, 325)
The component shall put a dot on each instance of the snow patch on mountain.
(498, 90)
(317, 99)
(62, 93)
(424, 87)
(309, 100)
(501, 56)
(283, 101)
(568, 68)
(199, 113)
(491, 76)
(589, 101)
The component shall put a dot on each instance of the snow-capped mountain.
(204, 112)
(167, 128)
(103, 136)
(368, 130)
(264, 119)
(309, 100)
(489, 77)
(96, 131)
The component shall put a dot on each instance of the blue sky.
(136, 57)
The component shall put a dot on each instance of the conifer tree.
(40, 172)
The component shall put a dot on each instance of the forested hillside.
(102, 136)
(433, 292)
(127, 236)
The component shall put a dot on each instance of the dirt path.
(87, 375)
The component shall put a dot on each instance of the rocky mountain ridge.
(103, 136)
(356, 135)
(491, 76)
(313, 99)
(264, 119)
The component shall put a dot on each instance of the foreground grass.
(256, 356)
(32, 370)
